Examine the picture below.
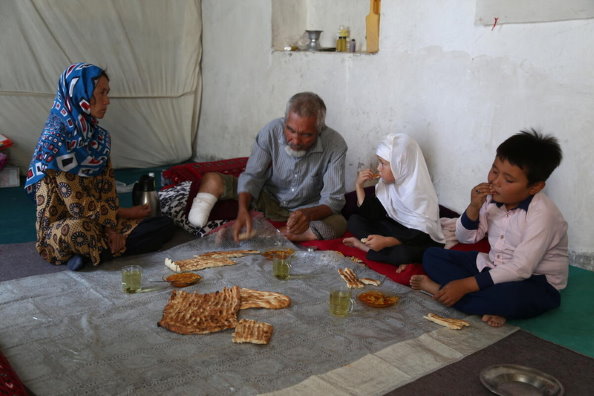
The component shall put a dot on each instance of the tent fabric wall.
(151, 50)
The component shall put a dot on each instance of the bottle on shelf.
(372, 26)
(341, 41)
(352, 45)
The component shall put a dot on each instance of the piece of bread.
(350, 278)
(228, 253)
(270, 254)
(355, 259)
(248, 330)
(247, 235)
(450, 323)
(263, 299)
(370, 281)
(193, 313)
(197, 263)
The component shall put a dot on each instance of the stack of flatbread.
(207, 260)
(193, 313)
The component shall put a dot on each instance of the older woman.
(79, 219)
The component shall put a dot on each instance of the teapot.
(144, 192)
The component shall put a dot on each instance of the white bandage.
(200, 210)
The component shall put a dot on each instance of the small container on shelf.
(342, 40)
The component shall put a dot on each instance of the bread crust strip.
(263, 299)
(370, 281)
(450, 323)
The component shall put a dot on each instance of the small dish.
(513, 379)
(377, 299)
(182, 279)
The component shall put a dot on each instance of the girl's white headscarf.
(411, 200)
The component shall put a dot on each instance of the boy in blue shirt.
(527, 266)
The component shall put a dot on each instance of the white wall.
(459, 89)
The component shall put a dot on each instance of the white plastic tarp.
(151, 49)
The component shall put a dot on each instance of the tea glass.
(281, 266)
(131, 278)
(341, 302)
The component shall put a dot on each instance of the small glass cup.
(281, 266)
(131, 278)
(341, 302)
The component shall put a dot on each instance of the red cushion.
(385, 269)
(481, 246)
(10, 384)
(195, 170)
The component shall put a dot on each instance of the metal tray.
(513, 379)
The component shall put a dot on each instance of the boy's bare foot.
(356, 243)
(423, 282)
(494, 320)
(401, 268)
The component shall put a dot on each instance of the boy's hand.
(451, 293)
(478, 196)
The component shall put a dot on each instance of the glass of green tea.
(131, 278)
(281, 265)
(341, 302)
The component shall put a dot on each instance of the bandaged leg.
(200, 210)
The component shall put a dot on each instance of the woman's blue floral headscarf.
(71, 141)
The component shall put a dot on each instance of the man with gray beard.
(295, 173)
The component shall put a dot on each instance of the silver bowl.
(513, 379)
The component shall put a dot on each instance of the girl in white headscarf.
(402, 219)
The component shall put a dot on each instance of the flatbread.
(248, 330)
(263, 299)
(450, 323)
(228, 253)
(350, 278)
(193, 313)
(270, 254)
(197, 263)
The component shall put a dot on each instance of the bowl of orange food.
(182, 279)
(377, 299)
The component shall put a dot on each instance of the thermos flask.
(144, 192)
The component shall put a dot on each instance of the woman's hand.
(379, 242)
(135, 212)
(116, 241)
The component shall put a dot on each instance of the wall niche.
(291, 18)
